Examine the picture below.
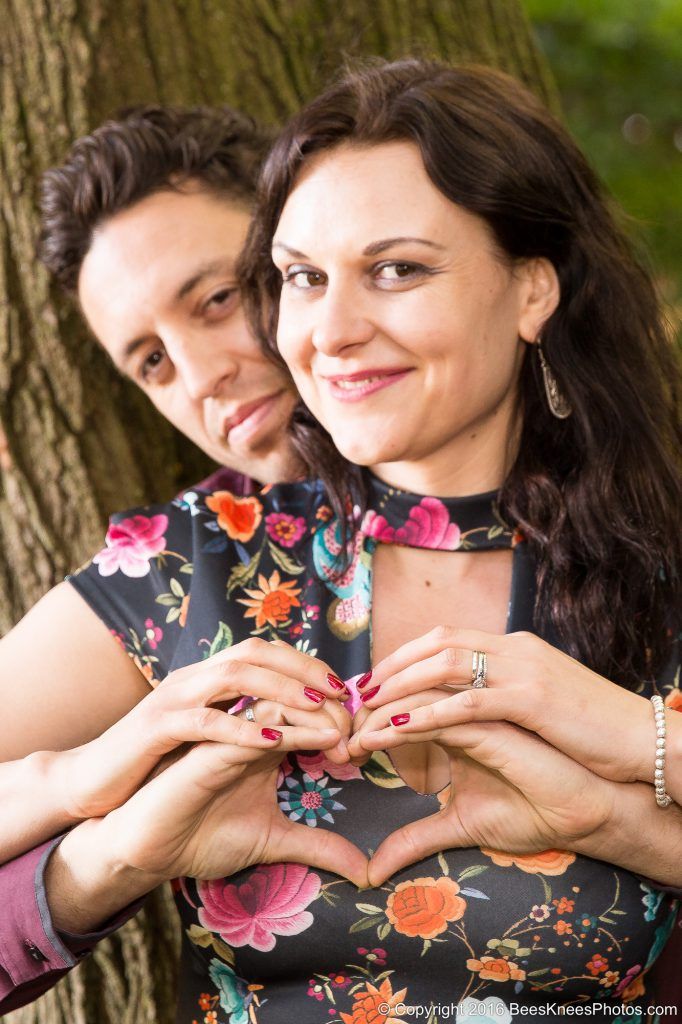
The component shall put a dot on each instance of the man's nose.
(203, 367)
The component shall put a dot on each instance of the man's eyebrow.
(203, 271)
(373, 249)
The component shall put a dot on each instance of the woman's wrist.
(86, 883)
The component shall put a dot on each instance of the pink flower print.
(376, 526)
(270, 902)
(429, 526)
(287, 530)
(153, 634)
(131, 544)
(315, 989)
(629, 977)
(375, 956)
(313, 612)
(317, 765)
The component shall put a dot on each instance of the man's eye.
(304, 279)
(150, 364)
(221, 298)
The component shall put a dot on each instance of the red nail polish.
(370, 693)
(313, 695)
(271, 734)
(363, 680)
(402, 719)
(335, 681)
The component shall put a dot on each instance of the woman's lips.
(356, 386)
(244, 427)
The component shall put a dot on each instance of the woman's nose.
(341, 322)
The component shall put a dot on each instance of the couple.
(481, 491)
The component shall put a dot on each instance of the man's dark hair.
(145, 150)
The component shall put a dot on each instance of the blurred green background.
(618, 67)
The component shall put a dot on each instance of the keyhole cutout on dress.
(415, 589)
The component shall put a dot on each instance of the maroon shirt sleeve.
(33, 954)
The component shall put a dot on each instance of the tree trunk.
(76, 442)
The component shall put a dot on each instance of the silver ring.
(479, 670)
(249, 713)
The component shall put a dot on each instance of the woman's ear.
(540, 297)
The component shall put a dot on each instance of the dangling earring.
(559, 405)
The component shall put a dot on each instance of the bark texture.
(76, 442)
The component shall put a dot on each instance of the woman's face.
(400, 322)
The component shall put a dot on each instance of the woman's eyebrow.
(373, 249)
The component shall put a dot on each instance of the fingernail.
(370, 693)
(271, 734)
(402, 719)
(335, 681)
(313, 695)
(363, 680)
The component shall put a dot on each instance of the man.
(143, 224)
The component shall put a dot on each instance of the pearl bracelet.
(662, 798)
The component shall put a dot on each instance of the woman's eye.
(304, 279)
(399, 271)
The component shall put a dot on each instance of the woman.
(401, 313)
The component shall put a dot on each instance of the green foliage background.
(613, 59)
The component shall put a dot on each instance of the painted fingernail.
(402, 719)
(313, 695)
(370, 693)
(271, 734)
(335, 681)
(363, 680)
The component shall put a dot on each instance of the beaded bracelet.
(662, 798)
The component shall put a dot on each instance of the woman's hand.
(604, 727)
(208, 814)
(94, 778)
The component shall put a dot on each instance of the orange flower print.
(425, 906)
(597, 965)
(563, 928)
(674, 699)
(634, 990)
(205, 1001)
(239, 517)
(372, 1005)
(548, 862)
(184, 608)
(273, 602)
(564, 905)
(610, 979)
(490, 968)
(146, 670)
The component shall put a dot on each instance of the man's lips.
(351, 387)
(248, 418)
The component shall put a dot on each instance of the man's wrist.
(85, 882)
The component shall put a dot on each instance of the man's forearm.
(85, 886)
(641, 837)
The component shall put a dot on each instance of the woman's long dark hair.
(596, 495)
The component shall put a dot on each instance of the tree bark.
(76, 442)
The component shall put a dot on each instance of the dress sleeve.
(139, 583)
(33, 954)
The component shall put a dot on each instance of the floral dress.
(486, 931)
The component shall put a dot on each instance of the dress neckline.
(395, 516)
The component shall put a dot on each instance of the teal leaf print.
(221, 640)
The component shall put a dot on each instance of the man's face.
(158, 288)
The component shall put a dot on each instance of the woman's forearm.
(32, 803)
(640, 836)
(85, 885)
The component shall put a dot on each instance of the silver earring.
(559, 405)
